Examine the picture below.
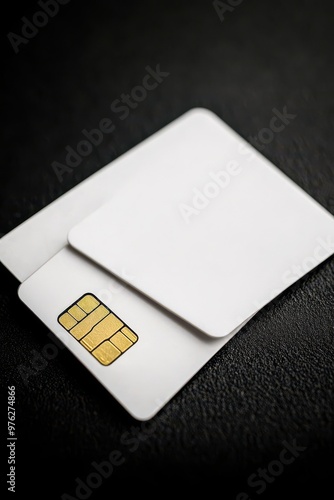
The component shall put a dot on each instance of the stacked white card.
(185, 238)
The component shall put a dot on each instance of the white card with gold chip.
(139, 352)
(142, 353)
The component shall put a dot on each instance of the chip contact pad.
(98, 330)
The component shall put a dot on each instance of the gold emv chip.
(98, 329)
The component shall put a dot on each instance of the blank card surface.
(206, 226)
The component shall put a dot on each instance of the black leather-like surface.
(273, 382)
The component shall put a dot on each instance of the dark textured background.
(274, 380)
